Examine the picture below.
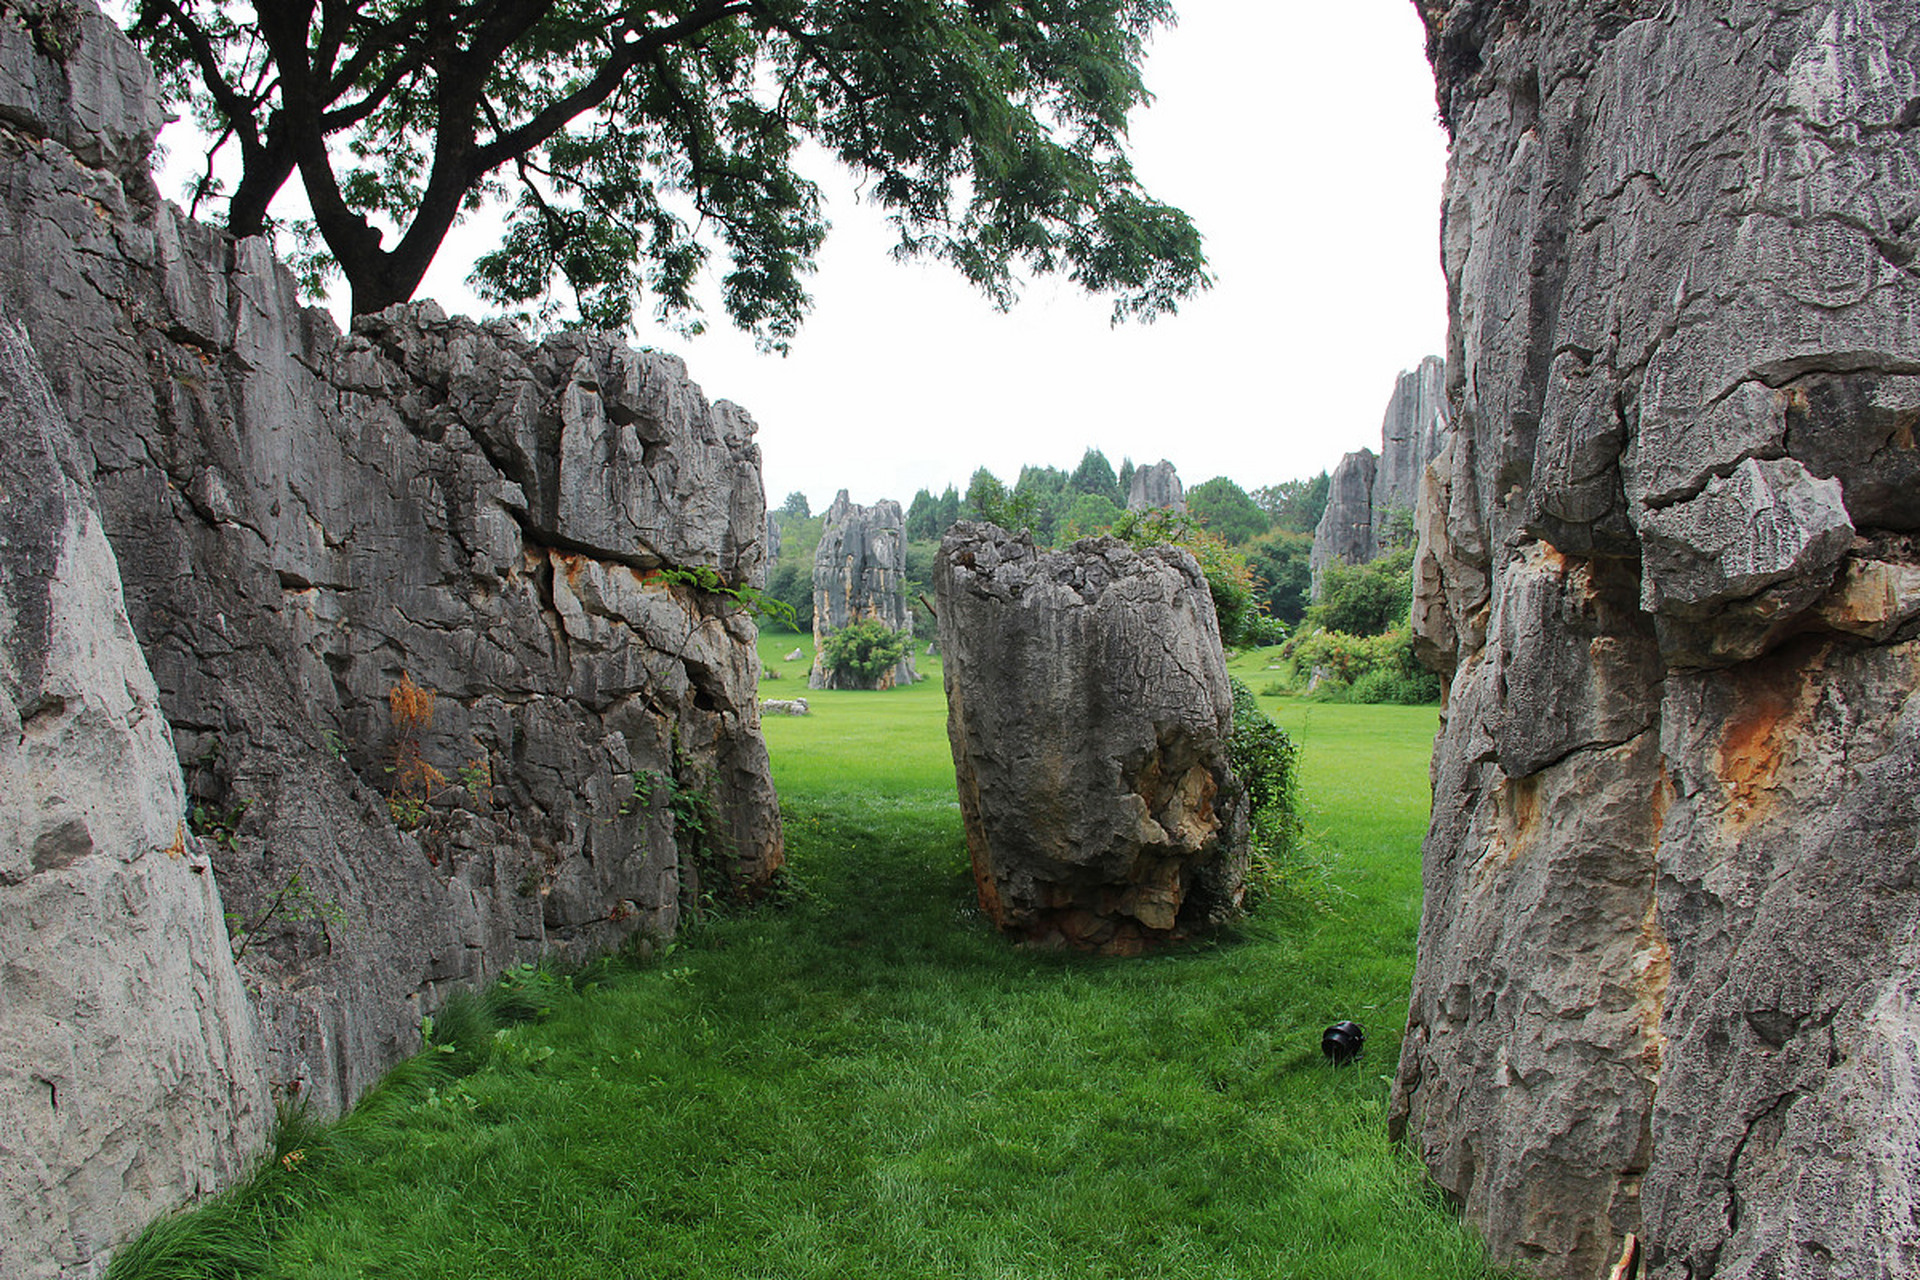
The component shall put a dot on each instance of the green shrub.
(1379, 668)
(1268, 763)
(1403, 688)
(1365, 599)
(1259, 630)
(862, 652)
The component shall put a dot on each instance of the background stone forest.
(1288, 533)
(1664, 568)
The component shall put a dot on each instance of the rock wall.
(860, 575)
(419, 601)
(131, 1069)
(1154, 486)
(1667, 966)
(1088, 710)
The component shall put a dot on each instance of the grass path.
(871, 1083)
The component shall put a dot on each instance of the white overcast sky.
(1301, 137)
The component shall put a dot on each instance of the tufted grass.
(870, 1082)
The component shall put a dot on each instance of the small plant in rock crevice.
(296, 902)
(221, 825)
(706, 872)
(751, 598)
(416, 783)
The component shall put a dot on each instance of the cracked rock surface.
(308, 525)
(1667, 565)
(1089, 711)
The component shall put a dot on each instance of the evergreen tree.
(1282, 569)
(923, 517)
(1090, 514)
(1095, 475)
(986, 496)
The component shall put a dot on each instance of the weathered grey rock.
(1667, 563)
(1412, 433)
(860, 575)
(1372, 501)
(1345, 532)
(307, 521)
(68, 75)
(131, 1070)
(1088, 710)
(1156, 486)
(1748, 554)
(784, 707)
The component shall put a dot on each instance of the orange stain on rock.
(1751, 752)
(1518, 806)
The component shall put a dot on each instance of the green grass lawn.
(870, 1082)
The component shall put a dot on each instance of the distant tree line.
(1259, 540)
(1354, 644)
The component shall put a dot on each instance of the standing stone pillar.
(1156, 487)
(1089, 711)
(860, 575)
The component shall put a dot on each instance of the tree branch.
(556, 115)
(232, 104)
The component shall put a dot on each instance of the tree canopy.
(1295, 505)
(1365, 599)
(1095, 475)
(1225, 508)
(628, 139)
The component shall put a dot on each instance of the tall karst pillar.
(860, 575)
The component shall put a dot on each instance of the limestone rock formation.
(1345, 532)
(1667, 965)
(428, 545)
(1088, 711)
(1155, 486)
(1371, 499)
(859, 575)
(130, 1061)
(1411, 435)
